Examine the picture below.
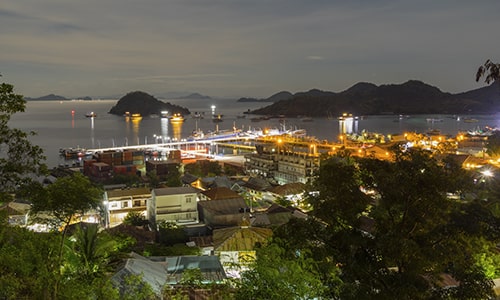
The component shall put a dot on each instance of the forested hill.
(411, 97)
(142, 103)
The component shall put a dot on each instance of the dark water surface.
(57, 127)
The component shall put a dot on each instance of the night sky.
(246, 48)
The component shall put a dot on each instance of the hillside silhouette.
(411, 97)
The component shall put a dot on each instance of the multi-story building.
(119, 202)
(284, 166)
(173, 204)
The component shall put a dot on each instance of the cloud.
(314, 57)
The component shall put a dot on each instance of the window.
(188, 199)
(124, 204)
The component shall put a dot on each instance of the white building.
(173, 204)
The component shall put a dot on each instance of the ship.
(177, 118)
(91, 114)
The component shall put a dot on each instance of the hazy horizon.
(233, 49)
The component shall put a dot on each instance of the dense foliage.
(18, 157)
(393, 231)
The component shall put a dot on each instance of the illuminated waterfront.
(58, 128)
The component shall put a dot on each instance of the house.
(119, 202)
(256, 188)
(226, 208)
(173, 204)
(235, 246)
(217, 181)
(17, 212)
(292, 192)
(218, 193)
(159, 272)
(191, 180)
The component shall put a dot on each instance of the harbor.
(64, 125)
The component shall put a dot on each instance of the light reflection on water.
(64, 124)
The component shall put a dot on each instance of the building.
(160, 272)
(173, 204)
(235, 246)
(282, 165)
(119, 202)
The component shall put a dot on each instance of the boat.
(217, 118)
(434, 120)
(434, 132)
(306, 119)
(481, 132)
(346, 117)
(470, 120)
(71, 153)
(177, 118)
(297, 133)
(164, 114)
(198, 115)
(136, 117)
(91, 114)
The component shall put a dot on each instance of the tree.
(400, 242)
(134, 218)
(27, 263)
(18, 157)
(493, 144)
(90, 252)
(281, 274)
(60, 202)
(490, 71)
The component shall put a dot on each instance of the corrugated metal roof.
(240, 238)
(161, 270)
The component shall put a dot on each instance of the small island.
(145, 105)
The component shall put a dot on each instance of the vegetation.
(279, 273)
(377, 230)
(18, 157)
(490, 71)
(59, 203)
(394, 233)
(411, 97)
(204, 168)
(145, 104)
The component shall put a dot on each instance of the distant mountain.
(47, 97)
(411, 97)
(283, 95)
(194, 96)
(84, 98)
(142, 103)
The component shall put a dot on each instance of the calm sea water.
(64, 124)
